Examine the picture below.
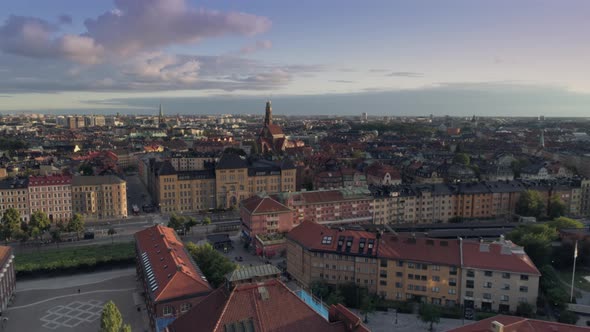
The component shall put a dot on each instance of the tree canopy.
(429, 313)
(557, 207)
(462, 158)
(536, 240)
(563, 222)
(76, 224)
(10, 223)
(213, 264)
(40, 220)
(111, 319)
(530, 204)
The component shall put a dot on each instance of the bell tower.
(268, 114)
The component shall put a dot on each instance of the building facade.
(99, 196)
(52, 195)
(14, 193)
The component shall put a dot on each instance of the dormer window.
(327, 240)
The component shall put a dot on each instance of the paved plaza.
(75, 303)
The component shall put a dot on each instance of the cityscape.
(184, 166)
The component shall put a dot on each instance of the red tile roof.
(314, 236)
(497, 256)
(267, 306)
(275, 129)
(264, 205)
(439, 251)
(174, 271)
(35, 181)
(519, 324)
(5, 253)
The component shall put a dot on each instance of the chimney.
(497, 327)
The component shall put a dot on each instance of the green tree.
(525, 309)
(86, 170)
(320, 289)
(530, 204)
(206, 221)
(568, 317)
(335, 297)
(462, 158)
(556, 207)
(76, 225)
(367, 306)
(190, 223)
(176, 222)
(40, 220)
(564, 222)
(10, 224)
(56, 235)
(213, 264)
(536, 240)
(430, 314)
(111, 319)
(112, 231)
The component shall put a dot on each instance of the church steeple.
(161, 115)
(542, 139)
(268, 114)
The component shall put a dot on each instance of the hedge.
(74, 259)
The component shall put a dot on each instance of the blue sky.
(457, 57)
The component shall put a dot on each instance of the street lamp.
(574, 271)
(395, 316)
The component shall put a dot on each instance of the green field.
(70, 260)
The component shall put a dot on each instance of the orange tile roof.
(5, 252)
(174, 271)
(267, 306)
(519, 324)
(497, 256)
(314, 236)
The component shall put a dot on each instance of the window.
(452, 291)
(410, 276)
(185, 307)
(505, 275)
(383, 282)
(399, 274)
(506, 287)
(470, 273)
(488, 273)
(327, 240)
(435, 278)
(435, 289)
(383, 261)
(524, 289)
(524, 277)
(504, 298)
(453, 282)
(469, 284)
(469, 293)
(167, 310)
(487, 284)
(487, 296)
(436, 267)
(383, 274)
(398, 285)
(453, 270)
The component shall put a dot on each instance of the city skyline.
(386, 58)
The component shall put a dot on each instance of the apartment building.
(497, 276)
(184, 191)
(14, 193)
(193, 161)
(52, 195)
(99, 196)
(487, 276)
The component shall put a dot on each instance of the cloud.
(134, 26)
(258, 46)
(341, 81)
(138, 25)
(405, 74)
(379, 70)
(65, 19)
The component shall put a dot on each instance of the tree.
(111, 319)
(86, 169)
(462, 158)
(320, 289)
(556, 207)
(335, 297)
(429, 313)
(526, 310)
(206, 221)
(563, 222)
(56, 235)
(190, 223)
(112, 231)
(213, 264)
(368, 306)
(10, 224)
(76, 224)
(40, 220)
(536, 240)
(530, 204)
(568, 317)
(176, 222)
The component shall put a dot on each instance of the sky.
(415, 57)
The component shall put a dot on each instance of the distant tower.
(268, 115)
(161, 115)
(542, 139)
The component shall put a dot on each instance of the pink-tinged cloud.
(135, 26)
(258, 46)
(139, 25)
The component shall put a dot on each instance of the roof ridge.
(257, 308)
(167, 285)
(259, 203)
(223, 311)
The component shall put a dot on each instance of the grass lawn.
(73, 257)
(580, 282)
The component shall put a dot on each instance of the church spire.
(542, 139)
(161, 115)
(268, 115)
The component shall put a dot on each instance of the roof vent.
(263, 293)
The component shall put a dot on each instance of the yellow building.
(99, 196)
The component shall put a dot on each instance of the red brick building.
(504, 323)
(7, 276)
(261, 307)
(52, 195)
(173, 283)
